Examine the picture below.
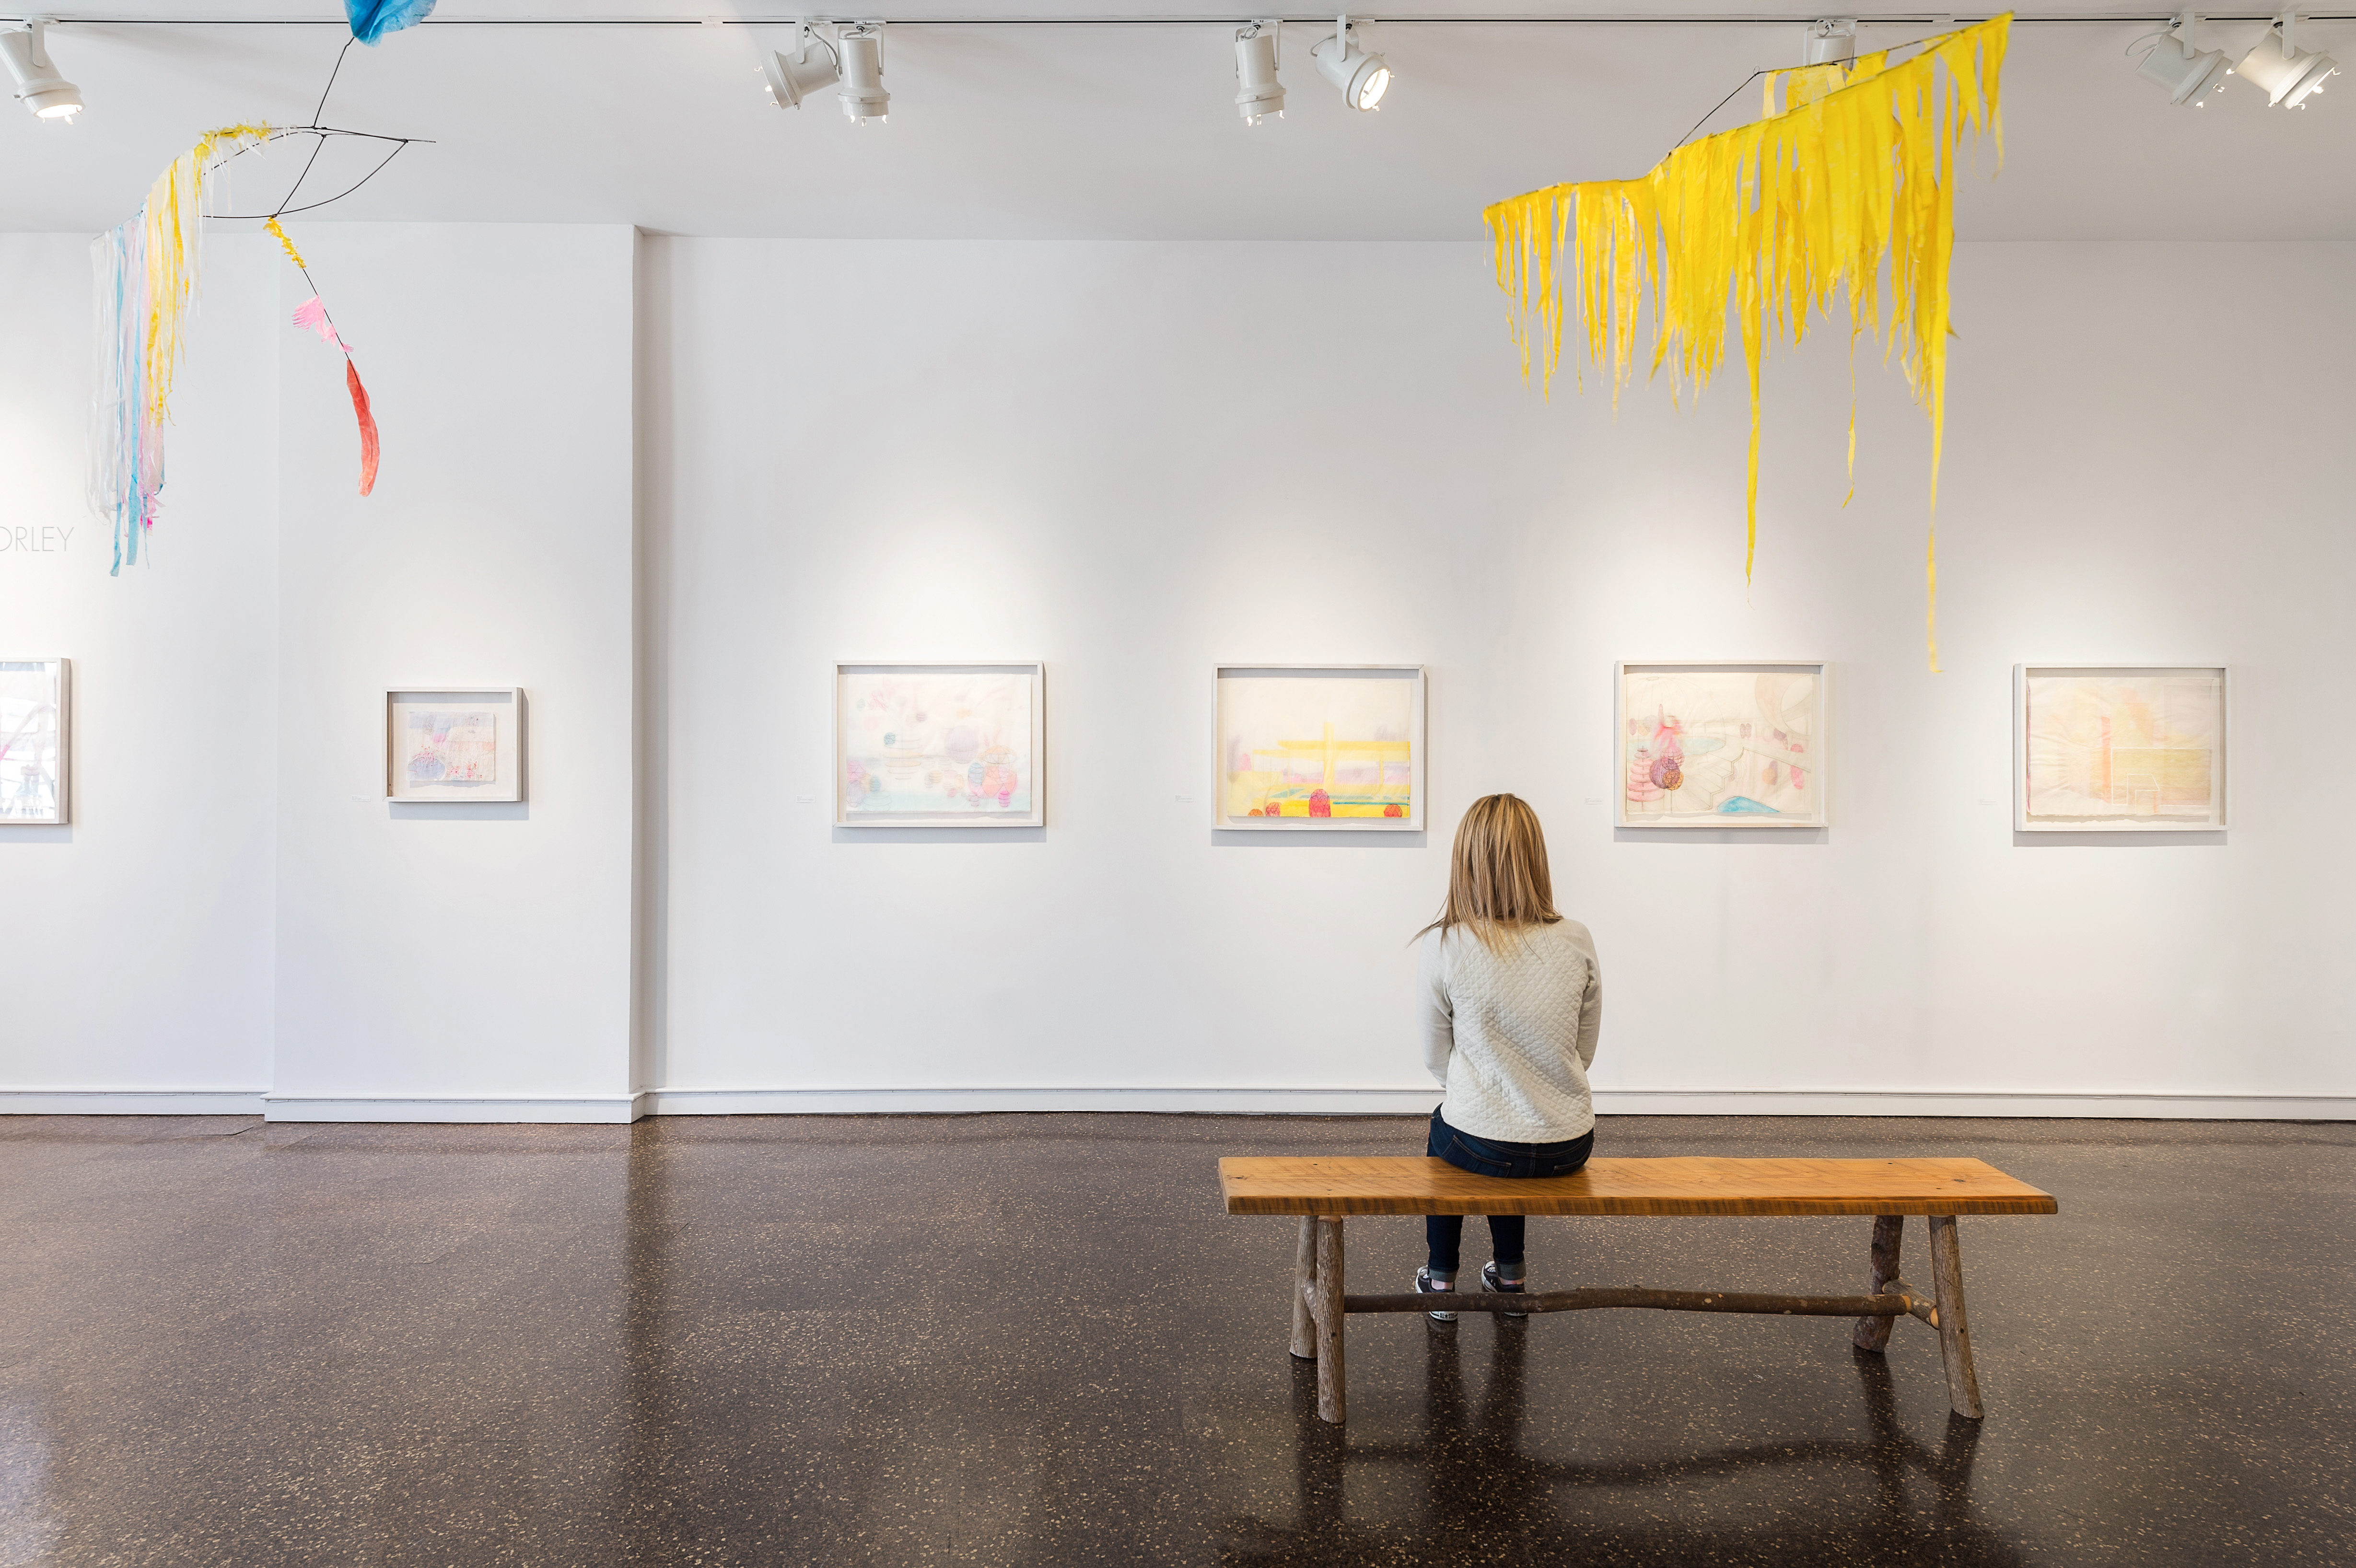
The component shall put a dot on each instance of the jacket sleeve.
(1436, 1014)
(1591, 1007)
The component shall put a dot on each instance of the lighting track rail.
(1795, 19)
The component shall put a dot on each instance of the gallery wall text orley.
(32, 539)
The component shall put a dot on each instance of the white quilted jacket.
(1512, 1033)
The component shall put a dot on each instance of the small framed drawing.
(35, 705)
(940, 745)
(1319, 748)
(454, 744)
(1730, 743)
(2118, 748)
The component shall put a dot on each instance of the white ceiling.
(1064, 131)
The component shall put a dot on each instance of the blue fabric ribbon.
(372, 19)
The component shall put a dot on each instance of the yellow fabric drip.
(173, 219)
(292, 254)
(1857, 172)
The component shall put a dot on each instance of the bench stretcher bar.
(1899, 1300)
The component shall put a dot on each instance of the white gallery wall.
(663, 483)
(458, 960)
(1135, 461)
(138, 954)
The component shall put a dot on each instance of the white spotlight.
(862, 95)
(2190, 75)
(2285, 72)
(1362, 78)
(45, 92)
(1832, 41)
(1257, 92)
(813, 64)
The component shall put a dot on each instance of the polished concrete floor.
(1012, 1340)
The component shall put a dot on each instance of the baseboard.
(1281, 1102)
(1975, 1103)
(449, 1108)
(955, 1100)
(131, 1102)
(1394, 1101)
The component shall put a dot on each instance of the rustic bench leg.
(1333, 1390)
(1955, 1328)
(1304, 1282)
(1889, 1232)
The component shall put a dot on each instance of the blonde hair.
(1497, 880)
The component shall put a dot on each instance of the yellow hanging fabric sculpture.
(173, 217)
(1857, 170)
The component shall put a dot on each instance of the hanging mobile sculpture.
(146, 274)
(1857, 171)
(149, 270)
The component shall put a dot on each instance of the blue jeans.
(1444, 1233)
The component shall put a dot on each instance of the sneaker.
(1490, 1282)
(1426, 1286)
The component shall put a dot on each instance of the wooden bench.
(1325, 1191)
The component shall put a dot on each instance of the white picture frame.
(1779, 749)
(987, 771)
(36, 743)
(2167, 768)
(413, 745)
(1371, 814)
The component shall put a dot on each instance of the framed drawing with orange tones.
(2118, 748)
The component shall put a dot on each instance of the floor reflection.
(1484, 1497)
(646, 1498)
(1016, 1341)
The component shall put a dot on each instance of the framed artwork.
(34, 704)
(940, 745)
(454, 744)
(2118, 748)
(1319, 748)
(1732, 743)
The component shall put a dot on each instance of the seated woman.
(1511, 1000)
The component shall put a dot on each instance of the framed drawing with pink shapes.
(940, 745)
(454, 744)
(1732, 743)
(34, 706)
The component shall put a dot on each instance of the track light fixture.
(811, 65)
(1832, 41)
(1362, 78)
(862, 95)
(2191, 75)
(1257, 92)
(2283, 71)
(46, 94)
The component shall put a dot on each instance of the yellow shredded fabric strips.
(174, 218)
(1855, 172)
(286, 240)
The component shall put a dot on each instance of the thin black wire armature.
(323, 133)
(330, 201)
(287, 203)
(315, 148)
(340, 53)
(320, 134)
(1722, 103)
(321, 108)
(1754, 75)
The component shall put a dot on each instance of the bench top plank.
(1328, 1184)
